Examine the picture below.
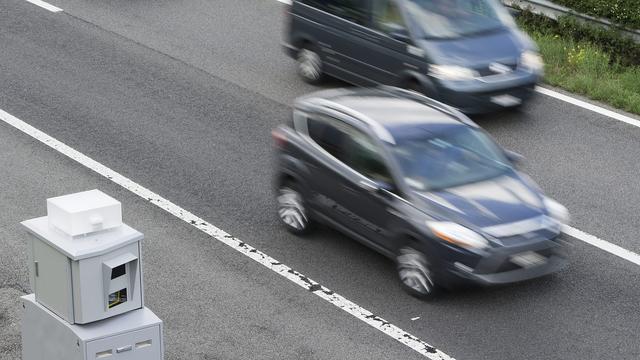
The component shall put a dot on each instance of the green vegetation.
(598, 63)
(622, 12)
(585, 69)
(621, 49)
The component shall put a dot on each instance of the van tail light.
(279, 138)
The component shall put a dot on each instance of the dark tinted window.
(349, 145)
(364, 157)
(325, 134)
(118, 271)
(352, 10)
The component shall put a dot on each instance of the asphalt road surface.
(180, 96)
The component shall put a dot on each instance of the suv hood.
(502, 200)
(476, 51)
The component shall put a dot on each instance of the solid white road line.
(272, 264)
(588, 106)
(601, 244)
(45, 5)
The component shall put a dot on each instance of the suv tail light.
(279, 137)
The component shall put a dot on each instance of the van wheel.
(415, 273)
(292, 209)
(310, 65)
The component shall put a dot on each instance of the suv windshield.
(456, 18)
(460, 156)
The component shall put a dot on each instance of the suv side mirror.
(513, 156)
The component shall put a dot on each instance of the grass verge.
(584, 68)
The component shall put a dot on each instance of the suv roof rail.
(379, 130)
(423, 99)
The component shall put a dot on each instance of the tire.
(310, 65)
(292, 209)
(415, 273)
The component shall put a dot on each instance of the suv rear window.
(352, 10)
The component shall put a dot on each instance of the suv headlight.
(452, 72)
(556, 210)
(532, 61)
(457, 234)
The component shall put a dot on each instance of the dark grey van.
(467, 53)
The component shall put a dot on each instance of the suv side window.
(365, 157)
(349, 145)
(324, 132)
(352, 10)
(387, 17)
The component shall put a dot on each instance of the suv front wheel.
(292, 209)
(415, 273)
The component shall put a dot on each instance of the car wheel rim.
(310, 64)
(414, 272)
(291, 210)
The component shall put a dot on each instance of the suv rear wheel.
(415, 273)
(310, 64)
(292, 210)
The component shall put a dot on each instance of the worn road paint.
(272, 264)
(45, 5)
(588, 106)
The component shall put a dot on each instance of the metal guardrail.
(553, 11)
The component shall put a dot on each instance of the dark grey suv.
(419, 182)
(466, 53)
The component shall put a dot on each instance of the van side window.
(387, 17)
(352, 10)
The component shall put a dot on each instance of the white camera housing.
(85, 263)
